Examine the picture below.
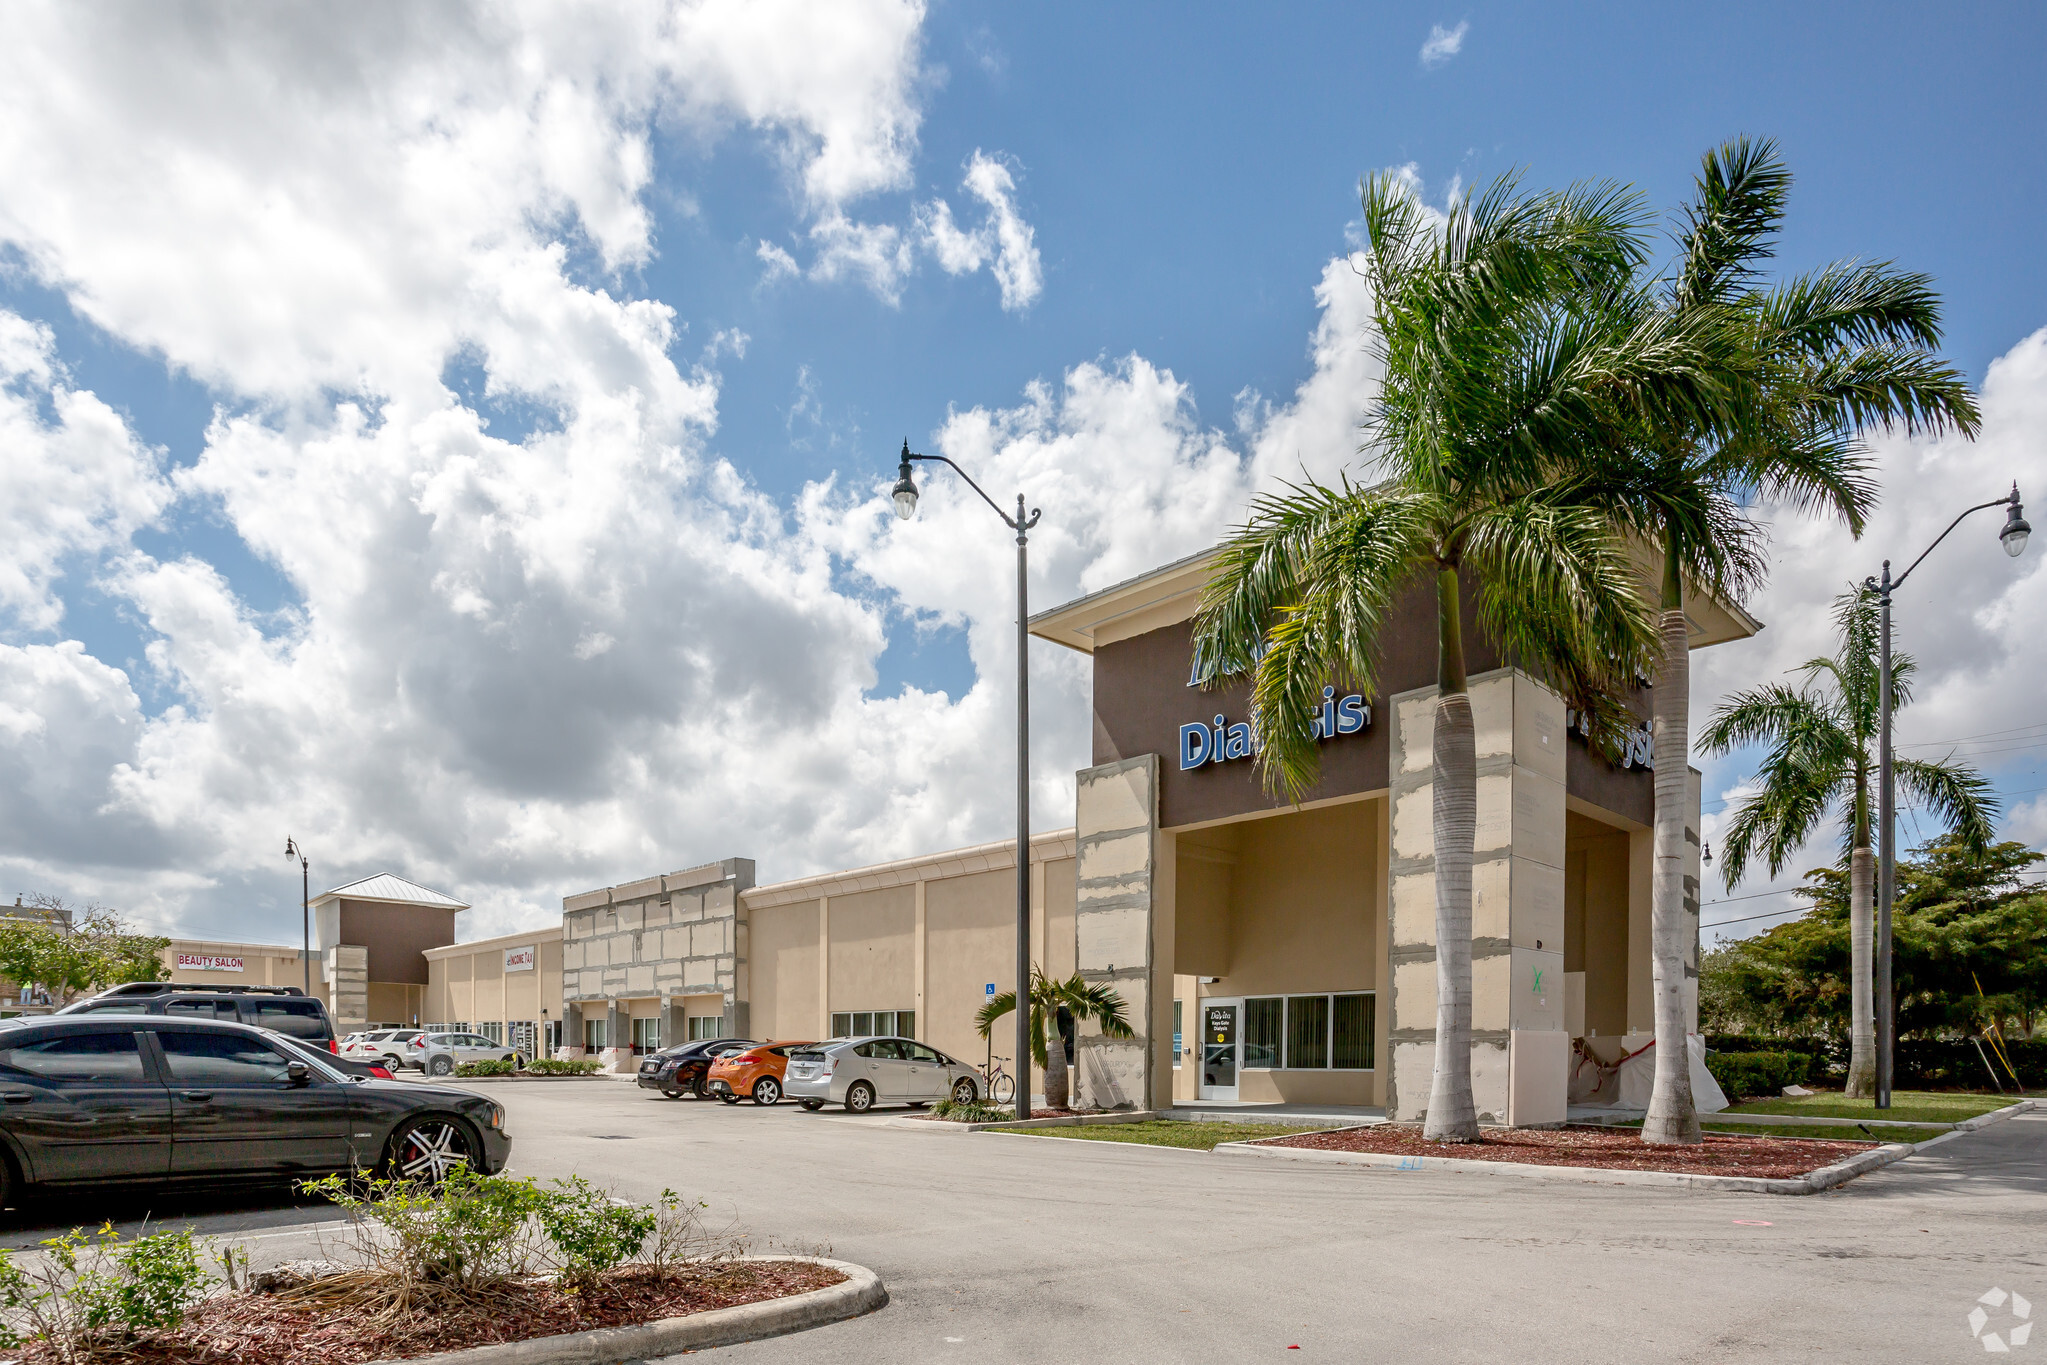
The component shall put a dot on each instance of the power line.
(1794, 910)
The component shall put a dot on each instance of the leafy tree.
(1969, 951)
(1801, 366)
(1496, 378)
(1821, 765)
(1081, 999)
(94, 948)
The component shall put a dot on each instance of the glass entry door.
(1220, 1036)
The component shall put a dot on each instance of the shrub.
(93, 1294)
(493, 1067)
(1743, 1074)
(573, 1066)
(976, 1111)
(590, 1232)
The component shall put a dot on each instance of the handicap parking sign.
(991, 988)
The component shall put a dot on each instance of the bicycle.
(997, 1084)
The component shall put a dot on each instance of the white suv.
(389, 1048)
(438, 1054)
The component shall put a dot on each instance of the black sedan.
(97, 1100)
(681, 1070)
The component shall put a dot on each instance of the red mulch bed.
(1620, 1149)
(258, 1329)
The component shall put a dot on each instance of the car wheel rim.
(963, 1093)
(767, 1092)
(861, 1098)
(430, 1152)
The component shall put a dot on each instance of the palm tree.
(1821, 766)
(1805, 365)
(1493, 380)
(1084, 1000)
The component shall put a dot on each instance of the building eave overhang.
(1170, 594)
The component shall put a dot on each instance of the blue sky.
(1187, 176)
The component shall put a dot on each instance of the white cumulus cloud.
(1443, 43)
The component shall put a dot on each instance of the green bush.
(489, 1068)
(1743, 1074)
(590, 1232)
(91, 1294)
(575, 1066)
(978, 1111)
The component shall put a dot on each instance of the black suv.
(681, 1070)
(287, 1009)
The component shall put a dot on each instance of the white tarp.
(1638, 1079)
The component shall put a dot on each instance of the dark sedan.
(680, 1070)
(99, 1100)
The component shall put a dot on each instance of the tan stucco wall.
(873, 950)
(263, 964)
(467, 983)
(1596, 939)
(970, 939)
(782, 961)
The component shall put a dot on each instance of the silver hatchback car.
(863, 1072)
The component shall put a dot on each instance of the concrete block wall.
(346, 971)
(659, 938)
(1119, 900)
(1517, 887)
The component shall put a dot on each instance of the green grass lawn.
(1919, 1106)
(1878, 1132)
(1201, 1137)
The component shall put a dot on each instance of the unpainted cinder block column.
(1517, 913)
(1114, 926)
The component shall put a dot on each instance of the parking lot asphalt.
(1014, 1248)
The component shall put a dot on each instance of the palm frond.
(1957, 794)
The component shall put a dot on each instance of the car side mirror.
(298, 1073)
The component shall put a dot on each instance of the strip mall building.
(1266, 952)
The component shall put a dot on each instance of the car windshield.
(294, 1048)
(809, 1054)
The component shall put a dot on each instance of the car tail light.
(379, 1072)
(827, 1069)
(332, 1048)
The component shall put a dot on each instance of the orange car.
(756, 1072)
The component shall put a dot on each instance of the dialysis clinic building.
(1266, 952)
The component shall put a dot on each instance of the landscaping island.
(251, 1327)
(1770, 1158)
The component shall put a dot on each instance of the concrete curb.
(1057, 1121)
(1825, 1178)
(2010, 1111)
(860, 1292)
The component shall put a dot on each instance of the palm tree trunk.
(1056, 1077)
(1453, 1116)
(1673, 1117)
(1861, 945)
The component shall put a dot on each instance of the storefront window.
(1351, 1046)
(646, 1035)
(1263, 1020)
(1307, 1032)
(704, 1027)
(1176, 1032)
(494, 1030)
(595, 1033)
(873, 1023)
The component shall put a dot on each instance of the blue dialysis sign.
(1222, 742)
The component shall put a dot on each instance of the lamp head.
(2013, 536)
(905, 491)
(291, 850)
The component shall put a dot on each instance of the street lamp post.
(905, 498)
(292, 850)
(2013, 538)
